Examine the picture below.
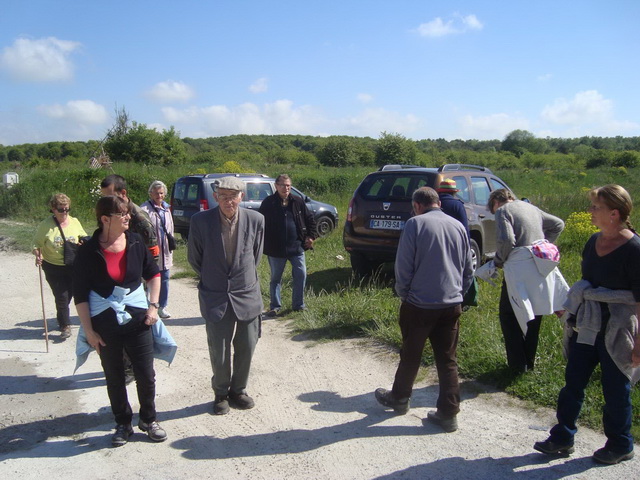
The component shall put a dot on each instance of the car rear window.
(186, 193)
(396, 186)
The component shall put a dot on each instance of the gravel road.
(315, 414)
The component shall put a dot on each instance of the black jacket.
(90, 268)
(274, 223)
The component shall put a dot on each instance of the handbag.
(171, 241)
(69, 249)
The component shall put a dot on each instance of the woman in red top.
(115, 314)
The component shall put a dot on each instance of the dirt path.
(315, 415)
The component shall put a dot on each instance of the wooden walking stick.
(44, 317)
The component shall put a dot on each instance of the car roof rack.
(396, 167)
(463, 166)
(239, 175)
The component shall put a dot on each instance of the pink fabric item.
(545, 249)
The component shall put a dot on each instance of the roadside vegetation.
(554, 174)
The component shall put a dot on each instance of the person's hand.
(151, 316)
(635, 354)
(559, 313)
(95, 340)
(38, 254)
(308, 243)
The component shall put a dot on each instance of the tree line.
(135, 142)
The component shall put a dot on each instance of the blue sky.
(421, 68)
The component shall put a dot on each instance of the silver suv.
(382, 204)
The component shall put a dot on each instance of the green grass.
(342, 306)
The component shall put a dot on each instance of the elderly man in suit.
(225, 247)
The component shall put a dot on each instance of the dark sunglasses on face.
(62, 210)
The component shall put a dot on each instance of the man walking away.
(433, 271)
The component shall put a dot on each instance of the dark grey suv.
(382, 204)
(194, 193)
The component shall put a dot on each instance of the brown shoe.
(65, 332)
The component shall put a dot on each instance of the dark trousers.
(521, 348)
(231, 376)
(136, 339)
(616, 388)
(441, 327)
(59, 278)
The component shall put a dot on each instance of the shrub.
(578, 228)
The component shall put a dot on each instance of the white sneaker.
(163, 312)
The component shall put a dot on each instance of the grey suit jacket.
(220, 285)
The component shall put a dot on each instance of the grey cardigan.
(584, 317)
(219, 284)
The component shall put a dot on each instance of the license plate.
(178, 213)
(387, 224)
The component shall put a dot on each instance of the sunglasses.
(62, 210)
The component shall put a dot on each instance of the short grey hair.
(426, 196)
(157, 184)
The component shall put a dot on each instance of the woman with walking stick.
(49, 250)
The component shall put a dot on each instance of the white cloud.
(585, 107)
(458, 24)
(81, 112)
(248, 118)
(41, 60)
(364, 98)
(170, 92)
(259, 86)
(490, 127)
(544, 78)
(283, 117)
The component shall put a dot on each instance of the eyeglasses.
(119, 214)
(285, 185)
(63, 210)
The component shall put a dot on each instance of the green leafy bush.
(578, 228)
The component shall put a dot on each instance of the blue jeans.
(164, 288)
(299, 274)
(616, 388)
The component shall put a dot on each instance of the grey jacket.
(433, 264)
(220, 285)
(519, 224)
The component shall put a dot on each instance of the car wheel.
(476, 256)
(324, 225)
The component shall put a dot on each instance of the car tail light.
(350, 209)
(204, 205)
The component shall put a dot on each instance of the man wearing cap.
(452, 206)
(433, 271)
(225, 247)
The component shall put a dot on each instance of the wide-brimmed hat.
(230, 183)
(448, 185)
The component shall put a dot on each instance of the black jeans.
(521, 348)
(136, 339)
(441, 327)
(59, 278)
